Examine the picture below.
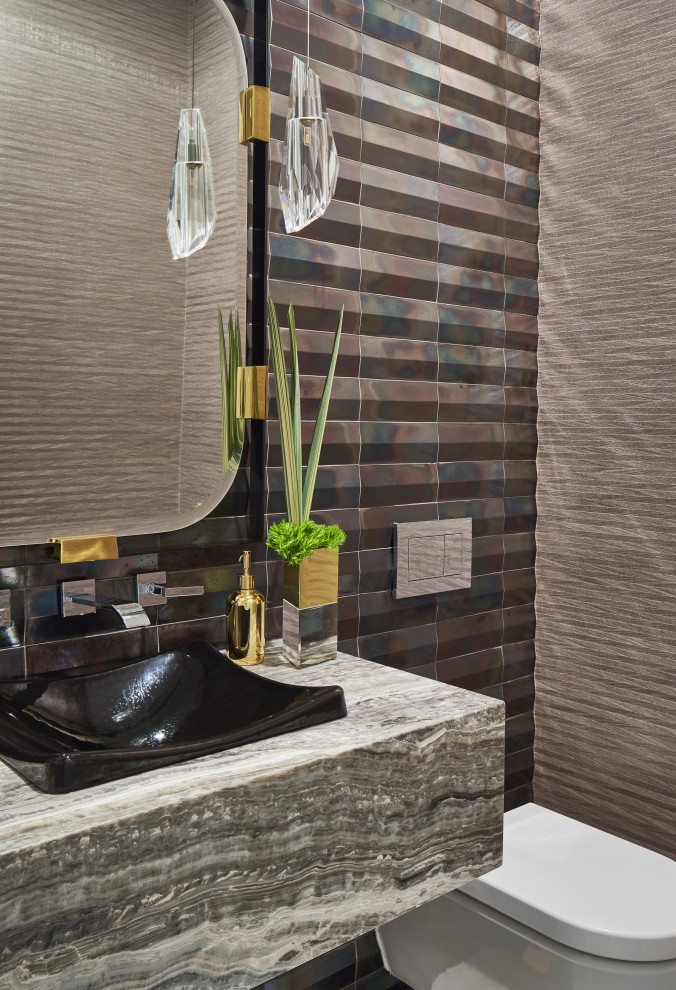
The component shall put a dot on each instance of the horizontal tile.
(523, 114)
(401, 68)
(519, 587)
(525, 11)
(384, 189)
(398, 151)
(470, 403)
(520, 478)
(401, 648)
(379, 612)
(377, 523)
(522, 187)
(402, 27)
(299, 259)
(119, 646)
(466, 325)
(476, 58)
(344, 402)
(470, 133)
(521, 222)
(519, 623)
(398, 401)
(469, 634)
(521, 405)
(315, 348)
(476, 96)
(383, 231)
(12, 664)
(390, 316)
(487, 554)
(520, 513)
(521, 368)
(341, 442)
(519, 729)
(475, 19)
(336, 487)
(467, 287)
(521, 332)
(522, 150)
(471, 441)
(394, 358)
(487, 514)
(376, 570)
(520, 549)
(388, 274)
(339, 225)
(521, 259)
(521, 441)
(463, 248)
(522, 77)
(470, 479)
(316, 307)
(519, 660)
(484, 595)
(472, 365)
(521, 295)
(519, 695)
(330, 42)
(471, 170)
(348, 617)
(397, 484)
(473, 671)
(398, 109)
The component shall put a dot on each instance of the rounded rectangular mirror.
(110, 376)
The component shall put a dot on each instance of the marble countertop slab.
(230, 869)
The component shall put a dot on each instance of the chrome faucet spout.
(81, 602)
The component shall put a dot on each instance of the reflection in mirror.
(110, 380)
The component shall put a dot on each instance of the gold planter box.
(314, 581)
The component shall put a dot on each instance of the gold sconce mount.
(254, 114)
(76, 549)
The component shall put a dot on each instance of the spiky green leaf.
(318, 435)
(292, 480)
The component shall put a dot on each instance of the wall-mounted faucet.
(79, 598)
(151, 589)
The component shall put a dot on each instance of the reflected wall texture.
(606, 691)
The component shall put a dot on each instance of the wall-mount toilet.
(571, 908)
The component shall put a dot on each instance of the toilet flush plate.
(432, 556)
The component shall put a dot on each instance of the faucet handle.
(78, 597)
(151, 589)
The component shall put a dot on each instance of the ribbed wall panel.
(606, 684)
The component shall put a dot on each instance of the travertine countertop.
(229, 869)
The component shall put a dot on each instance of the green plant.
(298, 491)
(297, 541)
(233, 426)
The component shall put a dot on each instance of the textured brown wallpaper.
(606, 563)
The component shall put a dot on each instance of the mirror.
(110, 377)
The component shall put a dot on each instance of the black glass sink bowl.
(70, 730)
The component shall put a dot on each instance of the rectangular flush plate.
(432, 556)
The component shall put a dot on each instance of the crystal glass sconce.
(192, 210)
(309, 158)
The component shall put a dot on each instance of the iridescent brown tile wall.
(431, 246)
(606, 690)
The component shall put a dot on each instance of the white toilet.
(571, 908)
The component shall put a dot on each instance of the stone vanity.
(231, 869)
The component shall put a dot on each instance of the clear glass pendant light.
(309, 158)
(192, 210)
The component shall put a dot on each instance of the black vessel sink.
(74, 729)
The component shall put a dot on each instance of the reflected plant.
(233, 426)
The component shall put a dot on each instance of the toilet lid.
(583, 888)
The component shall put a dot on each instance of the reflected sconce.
(309, 158)
(192, 210)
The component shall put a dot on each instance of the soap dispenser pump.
(245, 620)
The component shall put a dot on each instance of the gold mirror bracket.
(254, 114)
(252, 392)
(75, 549)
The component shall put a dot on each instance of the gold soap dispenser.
(245, 620)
